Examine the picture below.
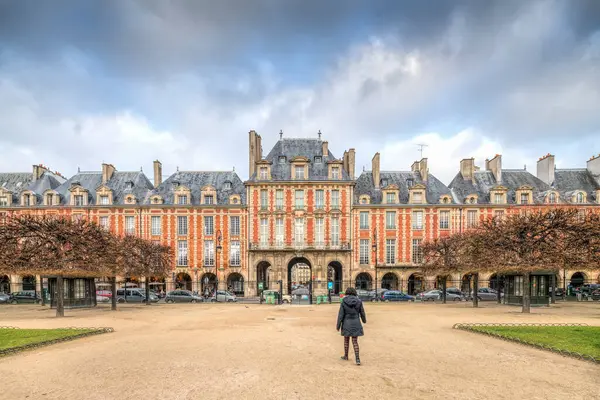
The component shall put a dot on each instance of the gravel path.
(292, 352)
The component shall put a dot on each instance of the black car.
(25, 296)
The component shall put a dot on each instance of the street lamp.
(218, 248)
(375, 250)
(196, 277)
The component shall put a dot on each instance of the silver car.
(435, 294)
(487, 294)
(224, 296)
(182, 296)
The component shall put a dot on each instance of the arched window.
(552, 198)
(579, 198)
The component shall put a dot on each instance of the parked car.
(560, 292)
(366, 295)
(395, 295)
(455, 291)
(104, 293)
(25, 296)
(4, 298)
(588, 288)
(286, 298)
(224, 296)
(487, 294)
(134, 295)
(596, 294)
(183, 296)
(436, 294)
(102, 299)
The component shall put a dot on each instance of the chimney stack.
(325, 149)
(415, 166)
(593, 165)
(107, 172)
(157, 173)
(38, 171)
(467, 168)
(375, 169)
(495, 165)
(545, 169)
(351, 163)
(254, 151)
(423, 169)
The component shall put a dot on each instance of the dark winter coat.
(351, 312)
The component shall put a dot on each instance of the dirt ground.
(207, 351)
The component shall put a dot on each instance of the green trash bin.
(319, 299)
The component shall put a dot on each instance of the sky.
(131, 81)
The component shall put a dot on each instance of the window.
(281, 159)
(498, 198)
(498, 214)
(78, 200)
(552, 198)
(417, 198)
(279, 199)
(234, 255)
(417, 251)
(234, 226)
(524, 198)
(264, 231)
(3, 200)
(390, 251)
(182, 225)
(318, 159)
(364, 220)
(299, 231)
(335, 231)
(129, 225)
(208, 199)
(579, 198)
(410, 182)
(390, 198)
(156, 228)
(182, 199)
(471, 218)
(27, 200)
(319, 232)
(209, 253)
(279, 238)
(49, 199)
(104, 200)
(390, 220)
(335, 173)
(444, 219)
(319, 199)
(227, 186)
(263, 173)
(264, 199)
(518, 286)
(104, 222)
(417, 220)
(364, 251)
(335, 199)
(209, 227)
(299, 171)
(299, 200)
(182, 253)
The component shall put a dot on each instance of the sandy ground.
(202, 351)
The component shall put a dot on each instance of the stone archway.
(209, 284)
(364, 281)
(4, 284)
(299, 274)
(235, 284)
(389, 281)
(416, 283)
(335, 275)
(28, 283)
(263, 276)
(578, 279)
(183, 281)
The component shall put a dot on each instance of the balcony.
(299, 246)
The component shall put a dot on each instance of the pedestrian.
(348, 323)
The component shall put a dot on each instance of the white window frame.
(264, 199)
(364, 251)
(299, 199)
(279, 199)
(319, 232)
(264, 173)
(417, 220)
(155, 222)
(182, 253)
(182, 199)
(264, 232)
(299, 171)
(3, 201)
(417, 198)
(524, 196)
(319, 199)
(78, 200)
(335, 199)
(104, 200)
(498, 198)
(299, 231)
(471, 218)
(417, 251)
(209, 225)
(390, 220)
(129, 224)
(209, 253)
(235, 253)
(390, 198)
(335, 231)
(279, 232)
(234, 225)
(444, 219)
(390, 251)
(104, 222)
(209, 199)
(364, 220)
(182, 225)
(335, 173)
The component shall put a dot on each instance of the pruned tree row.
(519, 244)
(62, 247)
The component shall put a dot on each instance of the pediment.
(393, 186)
(182, 188)
(208, 188)
(103, 188)
(418, 186)
(300, 159)
(500, 188)
(77, 188)
(5, 191)
(335, 162)
(525, 187)
(264, 162)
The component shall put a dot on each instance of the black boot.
(345, 358)
(357, 361)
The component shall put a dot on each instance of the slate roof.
(568, 181)
(484, 181)
(17, 182)
(365, 185)
(309, 148)
(118, 183)
(196, 180)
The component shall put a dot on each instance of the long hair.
(351, 292)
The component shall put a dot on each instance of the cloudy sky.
(127, 81)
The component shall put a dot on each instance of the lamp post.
(173, 280)
(196, 278)
(375, 250)
(218, 248)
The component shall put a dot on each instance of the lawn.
(578, 339)
(11, 338)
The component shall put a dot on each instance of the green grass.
(579, 339)
(11, 338)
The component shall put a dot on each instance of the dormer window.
(156, 199)
(579, 198)
(3, 201)
(78, 200)
(410, 182)
(445, 199)
(498, 198)
(390, 198)
(129, 184)
(417, 197)
(299, 172)
(335, 173)
(208, 199)
(49, 199)
(524, 198)
(227, 186)
(318, 159)
(472, 200)
(27, 200)
(384, 182)
(182, 199)
(130, 199)
(364, 199)
(552, 198)
(263, 173)
(235, 199)
(104, 200)
(281, 159)
(524, 195)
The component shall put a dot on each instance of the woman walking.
(351, 312)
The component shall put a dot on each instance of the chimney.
(545, 169)
(38, 171)
(107, 172)
(375, 169)
(415, 166)
(495, 165)
(593, 165)
(254, 151)
(157, 173)
(345, 160)
(467, 168)
(325, 149)
(351, 163)
(423, 169)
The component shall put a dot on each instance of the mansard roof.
(16, 182)
(484, 181)
(365, 185)
(196, 180)
(568, 181)
(118, 184)
(291, 148)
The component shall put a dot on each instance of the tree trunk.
(43, 303)
(444, 286)
(475, 289)
(498, 292)
(526, 294)
(113, 289)
(147, 291)
(60, 296)
(553, 286)
(94, 300)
